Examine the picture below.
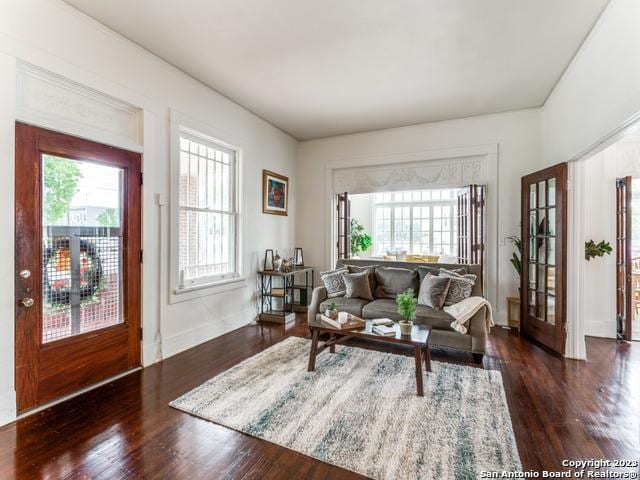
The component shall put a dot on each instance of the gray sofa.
(442, 334)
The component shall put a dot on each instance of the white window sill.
(202, 290)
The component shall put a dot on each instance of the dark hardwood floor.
(561, 409)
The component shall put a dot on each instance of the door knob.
(27, 302)
(25, 273)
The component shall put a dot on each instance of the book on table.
(345, 321)
(387, 331)
(381, 321)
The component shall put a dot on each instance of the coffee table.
(419, 340)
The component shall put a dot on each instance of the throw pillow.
(460, 288)
(423, 270)
(433, 291)
(357, 285)
(334, 282)
(370, 269)
(392, 281)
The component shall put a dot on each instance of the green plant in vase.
(407, 304)
(360, 240)
(593, 249)
(332, 311)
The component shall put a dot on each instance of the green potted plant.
(360, 240)
(516, 257)
(407, 304)
(593, 249)
(332, 311)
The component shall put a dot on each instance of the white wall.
(518, 135)
(600, 90)
(53, 36)
(601, 170)
(362, 210)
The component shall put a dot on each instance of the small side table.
(513, 312)
(285, 293)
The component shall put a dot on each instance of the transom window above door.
(420, 222)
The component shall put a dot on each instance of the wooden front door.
(77, 262)
(544, 242)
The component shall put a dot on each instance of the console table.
(282, 287)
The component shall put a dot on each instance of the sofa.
(442, 335)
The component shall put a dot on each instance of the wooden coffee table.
(419, 340)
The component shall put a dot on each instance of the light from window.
(421, 222)
(208, 212)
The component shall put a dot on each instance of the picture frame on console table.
(275, 193)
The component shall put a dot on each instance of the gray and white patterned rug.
(359, 410)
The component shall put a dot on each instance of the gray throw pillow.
(423, 270)
(370, 269)
(433, 291)
(392, 281)
(357, 285)
(460, 288)
(334, 282)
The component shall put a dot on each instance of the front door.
(544, 240)
(77, 264)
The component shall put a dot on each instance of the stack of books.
(386, 330)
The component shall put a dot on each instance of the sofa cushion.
(392, 281)
(387, 308)
(460, 288)
(423, 270)
(357, 285)
(334, 282)
(433, 291)
(344, 304)
(370, 269)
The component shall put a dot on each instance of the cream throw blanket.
(464, 310)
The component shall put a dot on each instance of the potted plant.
(516, 258)
(593, 249)
(407, 304)
(360, 240)
(332, 311)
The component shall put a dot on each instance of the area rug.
(359, 410)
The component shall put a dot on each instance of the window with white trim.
(421, 222)
(208, 215)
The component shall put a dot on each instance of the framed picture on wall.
(275, 193)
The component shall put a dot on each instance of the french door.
(77, 264)
(625, 289)
(544, 239)
(471, 224)
(343, 207)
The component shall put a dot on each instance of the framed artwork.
(275, 193)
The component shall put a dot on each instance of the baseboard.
(7, 407)
(600, 329)
(203, 333)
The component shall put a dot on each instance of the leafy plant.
(60, 186)
(360, 240)
(593, 249)
(407, 304)
(332, 306)
(516, 258)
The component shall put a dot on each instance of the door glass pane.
(551, 280)
(532, 278)
(542, 252)
(551, 183)
(533, 224)
(551, 221)
(551, 309)
(532, 196)
(542, 228)
(542, 197)
(541, 278)
(551, 251)
(541, 307)
(81, 247)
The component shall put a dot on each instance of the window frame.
(392, 204)
(211, 284)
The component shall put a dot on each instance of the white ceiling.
(329, 67)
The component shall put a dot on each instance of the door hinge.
(141, 178)
(140, 328)
(141, 256)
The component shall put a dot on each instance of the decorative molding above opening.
(451, 173)
(48, 100)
